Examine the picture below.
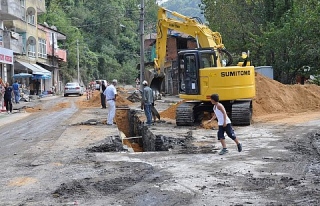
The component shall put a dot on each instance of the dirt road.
(46, 160)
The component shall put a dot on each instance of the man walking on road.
(111, 94)
(147, 101)
(224, 124)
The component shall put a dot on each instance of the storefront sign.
(6, 56)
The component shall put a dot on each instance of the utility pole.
(52, 47)
(78, 61)
(141, 43)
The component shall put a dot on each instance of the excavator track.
(241, 113)
(185, 114)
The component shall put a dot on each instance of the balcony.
(12, 41)
(61, 54)
(10, 10)
(39, 4)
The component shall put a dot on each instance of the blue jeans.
(148, 113)
(16, 95)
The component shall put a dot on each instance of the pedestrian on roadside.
(16, 91)
(102, 96)
(111, 95)
(37, 85)
(147, 101)
(2, 90)
(224, 124)
(8, 98)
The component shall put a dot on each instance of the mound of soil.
(170, 113)
(95, 100)
(272, 97)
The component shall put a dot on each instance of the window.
(32, 50)
(42, 51)
(31, 19)
(207, 60)
(23, 9)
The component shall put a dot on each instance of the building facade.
(30, 43)
(48, 48)
(7, 43)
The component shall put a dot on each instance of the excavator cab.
(190, 63)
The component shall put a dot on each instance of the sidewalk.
(18, 111)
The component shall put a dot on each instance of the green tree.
(107, 32)
(277, 33)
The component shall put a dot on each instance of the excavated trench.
(134, 136)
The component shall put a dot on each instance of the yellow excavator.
(205, 71)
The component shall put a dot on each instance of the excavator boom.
(203, 35)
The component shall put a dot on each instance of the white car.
(73, 88)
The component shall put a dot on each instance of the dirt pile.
(95, 100)
(122, 101)
(60, 106)
(273, 97)
(170, 113)
(34, 109)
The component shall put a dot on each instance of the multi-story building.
(48, 49)
(6, 48)
(30, 43)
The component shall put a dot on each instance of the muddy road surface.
(50, 157)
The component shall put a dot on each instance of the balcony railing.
(12, 41)
(10, 10)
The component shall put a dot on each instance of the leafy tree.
(278, 33)
(107, 32)
(189, 8)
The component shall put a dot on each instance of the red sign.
(6, 56)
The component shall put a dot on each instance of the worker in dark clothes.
(8, 98)
(37, 83)
(102, 96)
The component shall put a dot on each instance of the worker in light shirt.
(111, 94)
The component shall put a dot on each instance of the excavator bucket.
(153, 78)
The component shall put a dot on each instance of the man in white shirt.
(111, 94)
(224, 124)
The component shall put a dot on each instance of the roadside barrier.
(89, 93)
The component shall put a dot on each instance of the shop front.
(6, 62)
(34, 79)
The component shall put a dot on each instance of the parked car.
(73, 88)
(98, 83)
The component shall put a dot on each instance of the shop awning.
(44, 71)
(36, 69)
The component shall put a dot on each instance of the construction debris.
(134, 97)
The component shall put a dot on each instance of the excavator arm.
(204, 36)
